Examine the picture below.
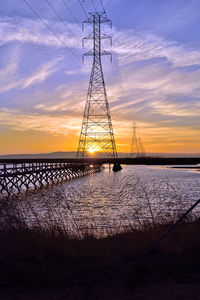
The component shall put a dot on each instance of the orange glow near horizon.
(155, 85)
(91, 150)
(155, 140)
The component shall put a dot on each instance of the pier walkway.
(19, 175)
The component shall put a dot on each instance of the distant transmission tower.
(96, 132)
(137, 147)
(134, 145)
(141, 149)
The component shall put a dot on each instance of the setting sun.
(91, 150)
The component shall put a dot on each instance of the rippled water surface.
(109, 202)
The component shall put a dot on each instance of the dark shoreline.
(125, 160)
(185, 167)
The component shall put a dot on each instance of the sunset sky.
(43, 83)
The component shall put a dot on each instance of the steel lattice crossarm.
(100, 16)
(97, 35)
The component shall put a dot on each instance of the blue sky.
(43, 86)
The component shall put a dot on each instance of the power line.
(124, 101)
(116, 71)
(117, 75)
(93, 5)
(103, 7)
(122, 93)
(69, 10)
(120, 79)
(83, 9)
(50, 29)
(59, 17)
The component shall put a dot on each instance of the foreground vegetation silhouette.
(50, 260)
(41, 258)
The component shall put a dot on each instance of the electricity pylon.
(137, 147)
(141, 149)
(134, 145)
(96, 133)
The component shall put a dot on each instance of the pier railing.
(21, 175)
(18, 175)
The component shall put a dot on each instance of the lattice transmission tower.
(96, 132)
(135, 144)
(137, 147)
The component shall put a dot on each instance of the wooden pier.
(18, 176)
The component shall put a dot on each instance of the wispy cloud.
(11, 79)
(47, 93)
(50, 124)
(134, 46)
(41, 74)
(159, 89)
(25, 30)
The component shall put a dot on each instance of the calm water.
(109, 202)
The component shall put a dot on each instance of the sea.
(107, 202)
